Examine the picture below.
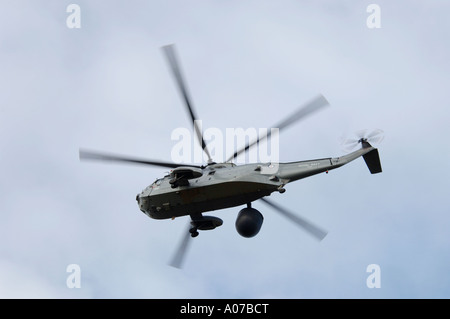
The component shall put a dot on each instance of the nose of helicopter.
(138, 199)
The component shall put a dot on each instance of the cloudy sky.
(107, 86)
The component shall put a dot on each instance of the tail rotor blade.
(361, 133)
(313, 230)
(349, 145)
(350, 142)
(376, 136)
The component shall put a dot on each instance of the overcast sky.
(107, 86)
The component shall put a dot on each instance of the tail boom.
(290, 172)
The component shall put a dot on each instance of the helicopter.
(192, 190)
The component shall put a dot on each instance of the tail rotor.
(374, 137)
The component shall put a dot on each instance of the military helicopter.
(192, 190)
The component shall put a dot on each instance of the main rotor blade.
(169, 50)
(90, 155)
(178, 258)
(317, 232)
(311, 107)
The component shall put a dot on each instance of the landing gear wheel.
(194, 232)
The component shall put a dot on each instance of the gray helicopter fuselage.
(227, 185)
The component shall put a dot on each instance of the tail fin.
(372, 160)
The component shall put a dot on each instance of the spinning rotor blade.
(169, 50)
(318, 233)
(311, 107)
(374, 136)
(178, 258)
(89, 155)
(349, 145)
